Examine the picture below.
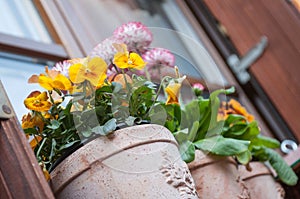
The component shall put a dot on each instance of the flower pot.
(261, 182)
(217, 177)
(135, 162)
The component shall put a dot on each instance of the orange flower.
(93, 70)
(34, 142)
(45, 172)
(37, 101)
(29, 121)
(120, 78)
(123, 59)
(233, 107)
(173, 90)
(52, 80)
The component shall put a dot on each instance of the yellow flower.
(123, 59)
(37, 101)
(93, 70)
(173, 90)
(32, 121)
(52, 80)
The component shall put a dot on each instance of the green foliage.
(196, 127)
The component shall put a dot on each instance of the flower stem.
(157, 95)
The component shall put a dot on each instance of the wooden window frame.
(30, 48)
(20, 173)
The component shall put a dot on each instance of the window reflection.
(21, 19)
(14, 73)
(170, 29)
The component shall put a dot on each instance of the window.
(21, 19)
(14, 73)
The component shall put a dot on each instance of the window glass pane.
(21, 19)
(14, 73)
(100, 18)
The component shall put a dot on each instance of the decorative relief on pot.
(179, 177)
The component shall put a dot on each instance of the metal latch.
(239, 66)
(6, 110)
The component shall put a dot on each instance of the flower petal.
(76, 73)
(61, 82)
(121, 60)
(45, 82)
(137, 62)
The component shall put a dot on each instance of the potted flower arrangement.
(109, 112)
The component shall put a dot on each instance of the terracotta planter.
(260, 182)
(217, 177)
(136, 162)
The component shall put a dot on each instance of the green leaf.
(116, 87)
(215, 94)
(193, 132)
(87, 132)
(242, 130)
(158, 115)
(283, 170)
(236, 130)
(31, 131)
(65, 146)
(216, 130)
(173, 116)
(104, 89)
(187, 151)
(130, 120)
(53, 145)
(78, 96)
(265, 141)
(109, 126)
(181, 136)
(190, 114)
(222, 146)
(244, 157)
(54, 124)
(234, 118)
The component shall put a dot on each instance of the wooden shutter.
(278, 70)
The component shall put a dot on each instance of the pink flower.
(198, 86)
(159, 57)
(159, 62)
(63, 67)
(105, 50)
(198, 89)
(135, 35)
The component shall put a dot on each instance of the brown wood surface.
(52, 14)
(20, 174)
(278, 69)
(28, 47)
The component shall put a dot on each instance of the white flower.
(63, 67)
(105, 50)
(159, 57)
(135, 35)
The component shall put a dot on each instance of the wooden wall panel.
(278, 70)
